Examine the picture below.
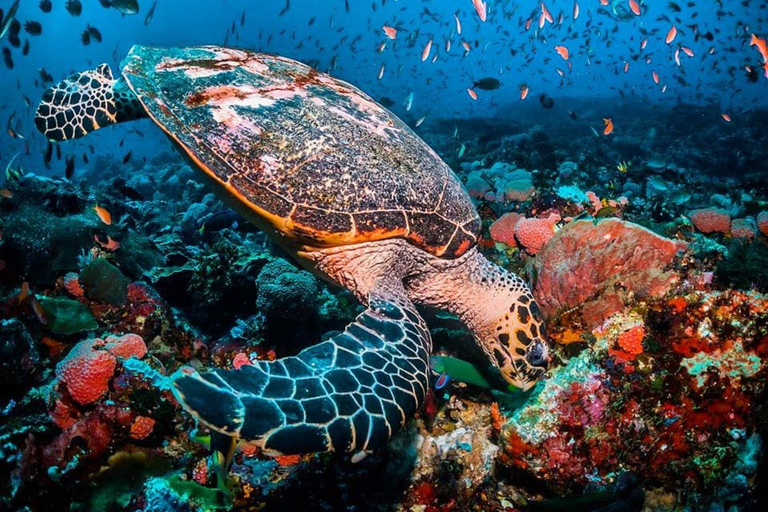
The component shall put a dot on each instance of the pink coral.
(240, 360)
(503, 229)
(743, 228)
(534, 233)
(598, 267)
(90, 365)
(594, 201)
(762, 222)
(126, 346)
(86, 371)
(711, 220)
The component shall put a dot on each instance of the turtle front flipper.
(350, 393)
(85, 102)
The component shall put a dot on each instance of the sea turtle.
(358, 198)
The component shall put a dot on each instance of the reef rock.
(677, 405)
(598, 266)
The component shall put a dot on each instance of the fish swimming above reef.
(487, 84)
(125, 6)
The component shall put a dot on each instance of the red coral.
(142, 427)
(762, 222)
(598, 267)
(73, 286)
(631, 341)
(711, 220)
(534, 233)
(503, 229)
(126, 346)
(86, 371)
(90, 365)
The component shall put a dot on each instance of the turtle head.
(517, 343)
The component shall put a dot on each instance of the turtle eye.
(537, 354)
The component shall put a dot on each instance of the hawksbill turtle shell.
(310, 156)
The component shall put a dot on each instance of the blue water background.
(350, 41)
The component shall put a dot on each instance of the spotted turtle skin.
(311, 155)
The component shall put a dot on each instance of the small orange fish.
(576, 11)
(481, 8)
(563, 51)
(626, 66)
(7, 194)
(427, 49)
(103, 214)
(389, 31)
(24, 293)
(447, 45)
(603, 2)
(655, 77)
(466, 46)
(545, 12)
(762, 46)
(528, 23)
(381, 47)
(671, 35)
(634, 7)
(472, 93)
(643, 43)
(523, 91)
(726, 117)
(608, 126)
(664, 89)
(687, 51)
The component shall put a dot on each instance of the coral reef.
(652, 280)
(598, 267)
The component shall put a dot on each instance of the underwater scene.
(384, 255)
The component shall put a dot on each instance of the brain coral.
(711, 220)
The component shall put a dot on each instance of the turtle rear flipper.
(350, 393)
(85, 102)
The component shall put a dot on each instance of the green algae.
(66, 316)
(206, 498)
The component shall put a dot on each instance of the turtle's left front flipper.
(350, 393)
(85, 102)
